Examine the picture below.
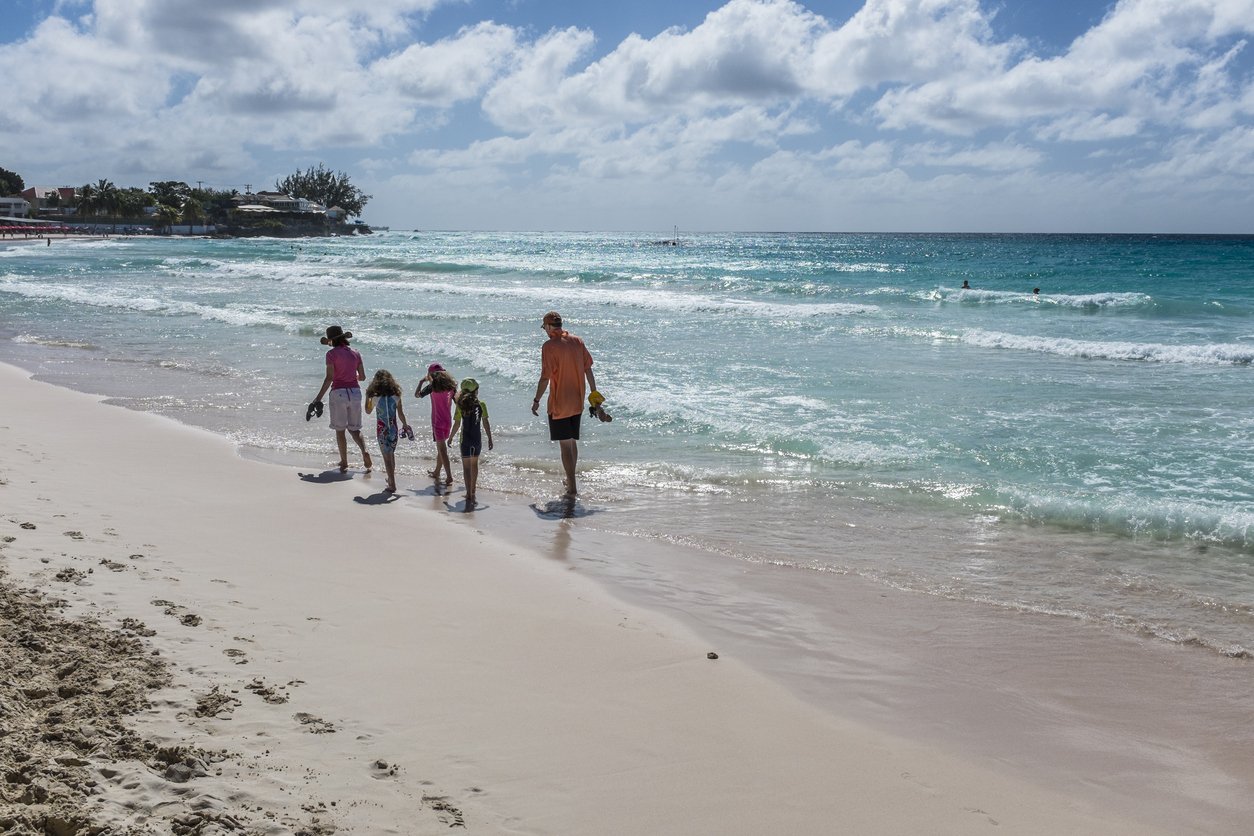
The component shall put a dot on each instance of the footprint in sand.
(237, 655)
(29, 526)
(113, 566)
(270, 693)
(74, 535)
(381, 769)
(316, 724)
(444, 811)
(189, 619)
(139, 628)
(216, 704)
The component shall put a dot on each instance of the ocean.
(812, 403)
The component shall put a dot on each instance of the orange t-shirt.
(564, 360)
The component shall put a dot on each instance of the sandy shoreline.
(337, 665)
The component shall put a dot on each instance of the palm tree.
(87, 199)
(107, 195)
(167, 215)
(193, 212)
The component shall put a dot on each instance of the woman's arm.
(326, 382)
(361, 369)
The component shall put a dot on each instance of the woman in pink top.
(441, 386)
(344, 375)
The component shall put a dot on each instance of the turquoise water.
(823, 403)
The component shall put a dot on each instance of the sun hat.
(335, 332)
(434, 367)
(470, 385)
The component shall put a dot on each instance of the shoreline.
(496, 686)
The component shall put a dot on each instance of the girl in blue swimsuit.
(383, 397)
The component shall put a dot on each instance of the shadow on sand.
(380, 498)
(566, 508)
(326, 477)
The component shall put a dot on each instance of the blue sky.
(896, 115)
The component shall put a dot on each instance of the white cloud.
(906, 41)
(448, 71)
(522, 100)
(998, 156)
(1146, 61)
(748, 51)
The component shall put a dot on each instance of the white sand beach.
(336, 665)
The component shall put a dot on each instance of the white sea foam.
(627, 297)
(101, 298)
(31, 339)
(1087, 301)
(1214, 354)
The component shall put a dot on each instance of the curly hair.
(467, 402)
(442, 381)
(383, 384)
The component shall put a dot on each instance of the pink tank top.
(343, 362)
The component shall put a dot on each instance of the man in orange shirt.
(564, 366)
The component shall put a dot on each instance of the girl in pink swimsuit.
(441, 386)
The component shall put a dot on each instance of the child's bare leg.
(389, 463)
(442, 461)
(470, 472)
(341, 441)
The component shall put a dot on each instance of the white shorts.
(345, 409)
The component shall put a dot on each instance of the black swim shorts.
(561, 429)
(471, 442)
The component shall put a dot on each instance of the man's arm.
(541, 385)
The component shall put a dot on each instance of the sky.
(764, 115)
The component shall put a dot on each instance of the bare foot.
(343, 467)
(390, 489)
(448, 481)
(434, 474)
(365, 457)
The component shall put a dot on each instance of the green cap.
(470, 385)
